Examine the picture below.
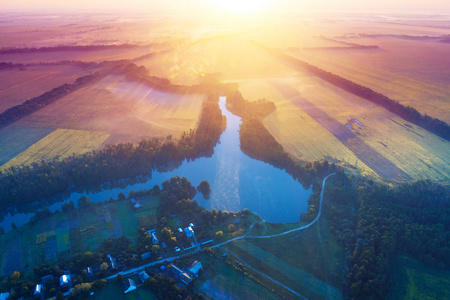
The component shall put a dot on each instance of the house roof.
(143, 276)
(4, 296)
(176, 270)
(196, 267)
(130, 286)
(64, 279)
(37, 289)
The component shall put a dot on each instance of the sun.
(242, 6)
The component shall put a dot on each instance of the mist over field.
(166, 137)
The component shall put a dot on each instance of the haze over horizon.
(193, 7)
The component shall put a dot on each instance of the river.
(237, 181)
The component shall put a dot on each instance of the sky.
(229, 6)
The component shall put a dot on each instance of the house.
(46, 278)
(176, 271)
(155, 240)
(37, 289)
(191, 225)
(185, 278)
(146, 255)
(180, 230)
(90, 272)
(129, 286)
(189, 232)
(4, 296)
(112, 262)
(143, 276)
(136, 203)
(195, 268)
(63, 280)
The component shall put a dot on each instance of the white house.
(189, 232)
(37, 289)
(195, 268)
(129, 286)
(63, 280)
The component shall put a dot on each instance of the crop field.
(60, 143)
(127, 111)
(279, 258)
(231, 58)
(414, 280)
(310, 123)
(20, 84)
(16, 139)
(419, 79)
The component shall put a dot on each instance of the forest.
(375, 223)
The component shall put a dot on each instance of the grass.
(127, 110)
(130, 225)
(113, 290)
(61, 143)
(297, 279)
(414, 280)
(221, 280)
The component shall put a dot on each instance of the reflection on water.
(237, 182)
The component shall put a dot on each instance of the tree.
(84, 201)
(204, 188)
(219, 234)
(14, 277)
(121, 196)
(231, 228)
(119, 278)
(104, 266)
(13, 225)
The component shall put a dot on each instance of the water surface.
(237, 182)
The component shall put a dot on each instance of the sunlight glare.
(242, 6)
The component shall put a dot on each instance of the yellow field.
(59, 144)
(232, 57)
(128, 111)
(415, 151)
(299, 134)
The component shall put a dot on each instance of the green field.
(114, 291)
(71, 232)
(221, 281)
(414, 280)
(310, 262)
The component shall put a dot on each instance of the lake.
(237, 182)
